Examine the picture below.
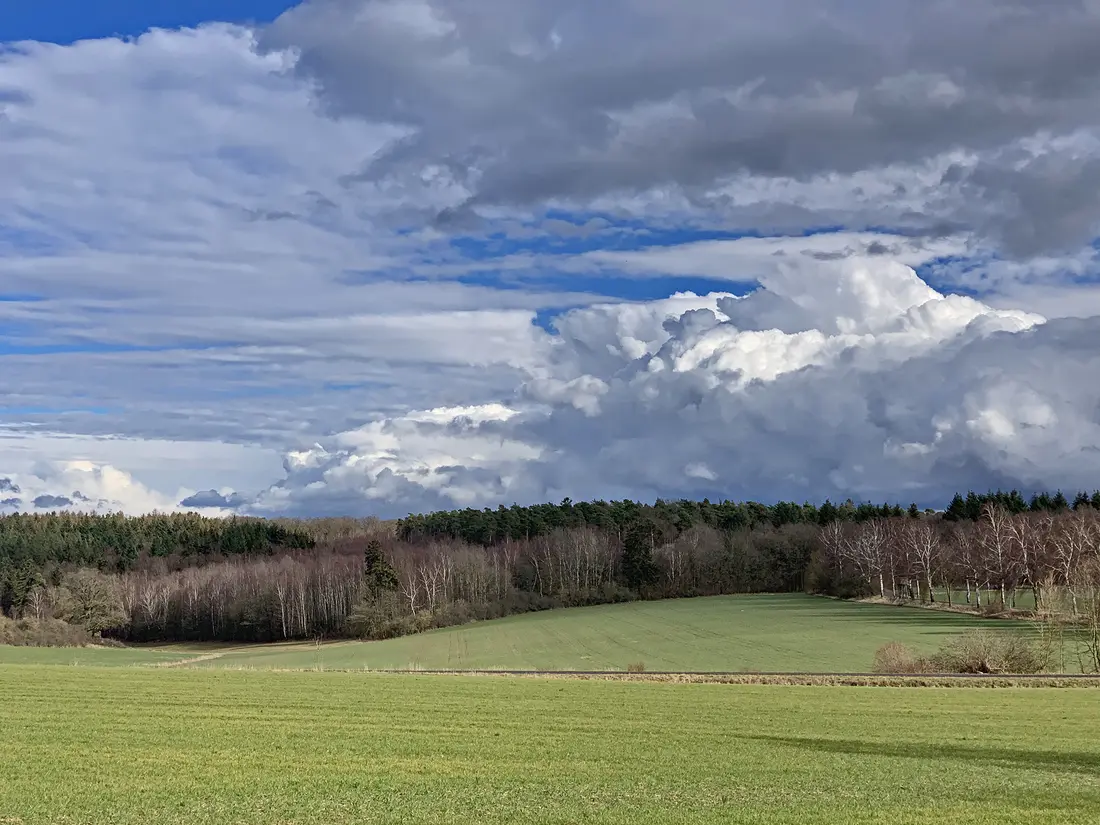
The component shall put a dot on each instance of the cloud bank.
(520, 102)
(858, 380)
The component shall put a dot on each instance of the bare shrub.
(983, 651)
(43, 633)
(636, 667)
(897, 658)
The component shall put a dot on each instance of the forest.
(182, 577)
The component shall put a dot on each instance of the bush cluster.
(30, 632)
(979, 651)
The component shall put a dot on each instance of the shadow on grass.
(1082, 763)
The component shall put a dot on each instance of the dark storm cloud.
(212, 498)
(48, 502)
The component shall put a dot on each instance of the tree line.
(489, 526)
(119, 542)
(384, 586)
(1051, 556)
(186, 578)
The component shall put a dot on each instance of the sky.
(373, 257)
(67, 21)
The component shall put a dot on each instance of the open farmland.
(727, 633)
(124, 746)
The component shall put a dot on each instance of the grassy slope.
(766, 633)
(177, 746)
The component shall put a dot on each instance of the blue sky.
(64, 21)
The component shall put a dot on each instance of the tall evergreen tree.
(378, 573)
(639, 569)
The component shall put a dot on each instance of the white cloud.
(119, 474)
(895, 390)
(457, 456)
(180, 258)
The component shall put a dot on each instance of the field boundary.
(808, 679)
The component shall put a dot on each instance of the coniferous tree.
(639, 569)
(378, 573)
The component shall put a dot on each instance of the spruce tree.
(956, 511)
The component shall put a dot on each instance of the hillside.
(735, 633)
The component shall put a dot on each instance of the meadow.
(124, 746)
(722, 633)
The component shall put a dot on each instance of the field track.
(910, 680)
(736, 673)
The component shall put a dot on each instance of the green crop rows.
(124, 745)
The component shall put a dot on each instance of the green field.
(96, 656)
(120, 746)
(735, 633)
(729, 633)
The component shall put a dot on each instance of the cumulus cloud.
(518, 102)
(87, 486)
(58, 471)
(432, 458)
(861, 382)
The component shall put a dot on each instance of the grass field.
(124, 746)
(96, 656)
(777, 633)
(735, 633)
